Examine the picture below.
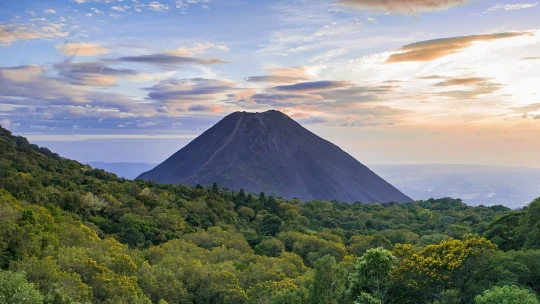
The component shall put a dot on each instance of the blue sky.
(390, 81)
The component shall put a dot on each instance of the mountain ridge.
(270, 152)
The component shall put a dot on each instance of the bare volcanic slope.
(269, 152)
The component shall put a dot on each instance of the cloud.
(8, 124)
(204, 108)
(463, 81)
(402, 6)
(477, 90)
(284, 100)
(314, 86)
(281, 75)
(158, 7)
(512, 7)
(184, 4)
(474, 86)
(147, 124)
(13, 32)
(433, 49)
(21, 73)
(531, 58)
(117, 8)
(199, 48)
(82, 1)
(49, 11)
(431, 77)
(274, 79)
(31, 88)
(95, 10)
(245, 94)
(33, 14)
(166, 60)
(312, 120)
(91, 73)
(356, 94)
(526, 109)
(81, 49)
(188, 92)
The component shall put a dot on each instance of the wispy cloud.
(96, 11)
(91, 73)
(157, 6)
(16, 31)
(185, 93)
(315, 86)
(401, 6)
(166, 60)
(198, 48)
(433, 49)
(81, 49)
(281, 75)
(512, 7)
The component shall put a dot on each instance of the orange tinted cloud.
(13, 32)
(437, 48)
(81, 49)
(299, 72)
(403, 6)
(244, 95)
(463, 81)
(22, 73)
(282, 75)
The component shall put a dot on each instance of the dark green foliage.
(270, 225)
(270, 247)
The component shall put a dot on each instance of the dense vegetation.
(73, 234)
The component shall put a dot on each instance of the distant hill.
(269, 152)
(126, 170)
(475, 185)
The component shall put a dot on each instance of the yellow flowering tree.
(449, 264)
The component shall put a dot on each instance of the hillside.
(73, 234)
(272, 153)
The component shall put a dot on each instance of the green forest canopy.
(73, 234)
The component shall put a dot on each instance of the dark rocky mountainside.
(269, 152)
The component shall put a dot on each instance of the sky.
(389, 81)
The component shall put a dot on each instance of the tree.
(328, 283)
(505, 231)
(272, 205)
(298, 296)
(270, 247)
(240, 199)
(270, 225)
(531, 225)
(215, 189)
(507, 295)
(449, 264)
(373, 275)
(14, 289)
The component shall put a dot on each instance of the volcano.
(270, 152)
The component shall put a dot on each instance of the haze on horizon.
(451, 81)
